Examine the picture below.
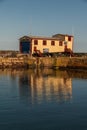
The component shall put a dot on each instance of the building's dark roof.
(61, 36)
(54, 37)
(58, 35)
(24, 38)
(38, 37)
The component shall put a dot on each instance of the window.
(53, 43)
(35, 42)
(69, 38)
(60, 43)
(44, 42)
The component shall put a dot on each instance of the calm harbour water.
(43, 100)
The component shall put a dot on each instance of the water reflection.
(45, 86)
(46, 89)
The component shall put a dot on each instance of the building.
(56, 43)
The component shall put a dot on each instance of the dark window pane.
(35, 42)
(69, 38)
(60, 43)
(52, 43)
(44, 42)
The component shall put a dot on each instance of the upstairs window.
(35, 42)
(69, 38)
(60, 43)
(44, 42)
(52, 43)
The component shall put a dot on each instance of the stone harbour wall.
(46, 62)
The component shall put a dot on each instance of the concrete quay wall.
(12, 62)
(63, 62)
(48, 62)
(66, 62)
(71, 62)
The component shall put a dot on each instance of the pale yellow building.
(36, 44)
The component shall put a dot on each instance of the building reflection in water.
(45, 86)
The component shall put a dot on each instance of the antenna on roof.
(30, 26)
(72, 31)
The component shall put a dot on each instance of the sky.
(42, 18)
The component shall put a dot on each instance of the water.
(43, 100)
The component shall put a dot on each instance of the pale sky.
(42, 18)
